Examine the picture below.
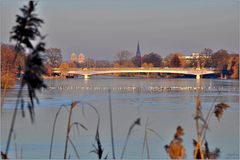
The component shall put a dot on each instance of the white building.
(194, 55)
(81, 58)
(73, 57)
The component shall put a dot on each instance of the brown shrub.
(8, 80)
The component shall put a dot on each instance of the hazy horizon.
(100, 29)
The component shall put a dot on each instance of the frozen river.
(166, 103)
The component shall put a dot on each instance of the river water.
(164, 103)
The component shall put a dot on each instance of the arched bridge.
(86, 72)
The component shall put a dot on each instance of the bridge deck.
(95, 71)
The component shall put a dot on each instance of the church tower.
(138, 57)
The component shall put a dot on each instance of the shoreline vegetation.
(31, 68)
(8, 81)
(225, 63)
(151, 76)
(123, 76)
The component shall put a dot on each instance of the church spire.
(138, 53)
(138, 56)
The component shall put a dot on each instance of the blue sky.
(101, 28)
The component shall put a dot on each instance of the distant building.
(138, 57)
(73, 57)
(81, 58)
(194, 55)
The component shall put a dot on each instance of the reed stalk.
(111, 123)
(74, 148)
(136, 122)
(13, 120)
(53, 131)
(146, 140)
(68, 128)
(98, 149)
(21, 155)
(15, 145)
(207, 119)
(198, 146)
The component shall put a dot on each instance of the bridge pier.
(86, 76)
(198, 76)
(148, 75)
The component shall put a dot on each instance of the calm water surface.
(166, 103)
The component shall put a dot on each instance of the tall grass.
(98, 149)
(145, 141)
(202, 127)
(97, 145)
(53, 130)
(15, 145)
(68, 129)
(111, 123)
(24, 33)
(69, 126)
(178, 152)
(198, 148)
(137, 122)
(13, 121)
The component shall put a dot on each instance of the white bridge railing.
(140, 68)
(86, 72)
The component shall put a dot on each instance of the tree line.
(222, 60)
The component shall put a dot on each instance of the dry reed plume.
(137, 122)
(176, 149)
(24, 33)
(202, 127)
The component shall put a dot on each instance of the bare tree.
(54, 57)
(206, 57)
(123, 57)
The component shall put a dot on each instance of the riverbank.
(54, 77)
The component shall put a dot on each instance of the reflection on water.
(166, 102)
